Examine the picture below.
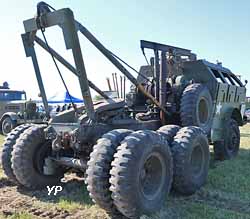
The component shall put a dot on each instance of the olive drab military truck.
(15, 109)
(132, 152)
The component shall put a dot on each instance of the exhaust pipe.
(124, 87)
(163, 85)
(117, 88)
(109, 85)
(121, 87)
(113, 77)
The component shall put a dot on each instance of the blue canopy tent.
(63, 97)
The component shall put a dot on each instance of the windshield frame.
(10, 95)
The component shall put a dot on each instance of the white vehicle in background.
(247, 115)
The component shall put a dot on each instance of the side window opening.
(233, 77)
(228, 78)
(12, 95)
(218, 76)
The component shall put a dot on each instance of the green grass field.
(225, 196)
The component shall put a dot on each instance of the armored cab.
(197, 93)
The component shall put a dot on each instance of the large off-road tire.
(7, 125)
(197, 107)
(99, 167)
(169, 131)
(28, 159)
(141, 174)
(191, 159)
(8, 144)
(229, 147)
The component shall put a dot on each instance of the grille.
(12, 107)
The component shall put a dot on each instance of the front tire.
(28, 159)
(229, 147)
(141, 174)
(197, 107)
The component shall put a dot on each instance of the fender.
(237, 116)
(12, 115)
(219, 122)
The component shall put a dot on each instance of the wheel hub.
(203, 111)
(41, 157)
(152, 176)
(7, 126)
(197, 161)
(233, 141)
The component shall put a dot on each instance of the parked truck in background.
(15, 109)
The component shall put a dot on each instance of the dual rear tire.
(141, 174)
(8, 145)
(140, 170)
(190, 150)
(191, 160)
(29, 159)
(99, 164)
(130, 173)
(24, 157)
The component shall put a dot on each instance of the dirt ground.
(19, 202)
(225, 196)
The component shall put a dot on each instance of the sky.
(214, 30)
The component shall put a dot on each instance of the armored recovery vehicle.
(132, 152)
